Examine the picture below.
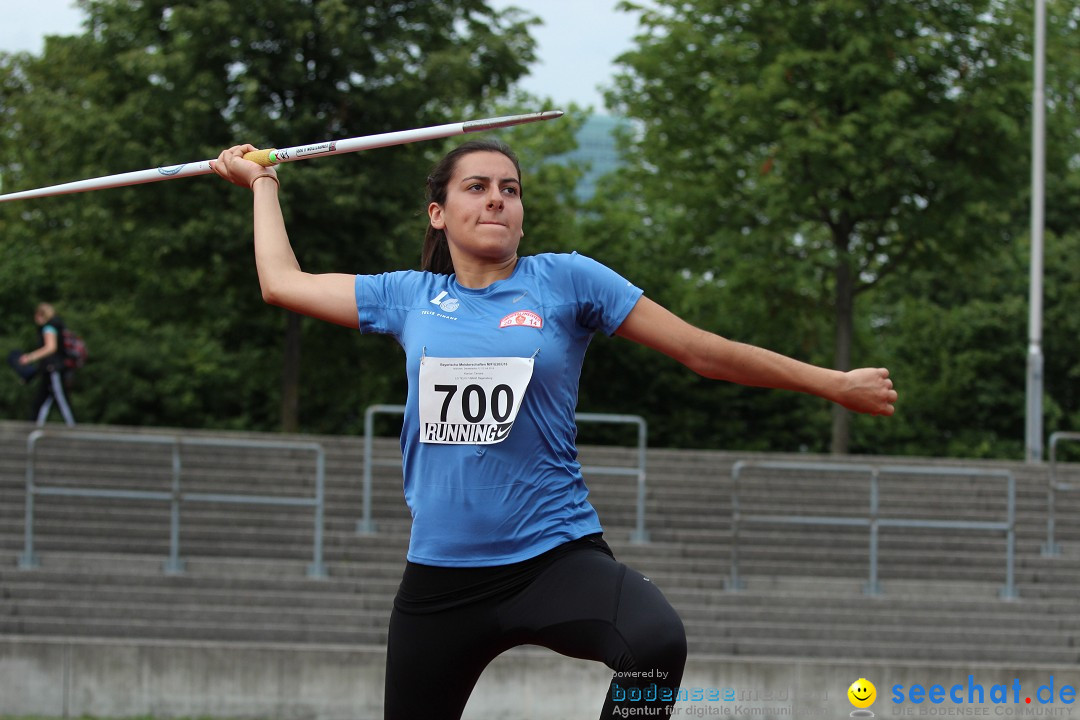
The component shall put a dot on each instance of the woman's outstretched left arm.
(865, 390)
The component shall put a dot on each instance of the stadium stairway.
(245, 580)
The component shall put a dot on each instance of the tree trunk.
(290, 375)
(845, 323)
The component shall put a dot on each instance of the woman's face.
(483, 214)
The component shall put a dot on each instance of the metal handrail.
(872, 520)
(366, 525)
(174, 564)
(640, 536)
(1051, 548)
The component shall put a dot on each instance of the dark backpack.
(75, 352)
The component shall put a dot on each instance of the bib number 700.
(502, 402)
(471, 401)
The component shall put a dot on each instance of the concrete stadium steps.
(932, 621)
(941, 652)
(115, 596)
(101, 572)
(820, 621)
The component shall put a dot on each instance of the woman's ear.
(435, 216)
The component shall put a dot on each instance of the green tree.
(827, 145)
(958, 335)
(957, 340)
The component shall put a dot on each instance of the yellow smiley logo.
(862, 693)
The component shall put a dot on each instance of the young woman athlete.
(505, 548)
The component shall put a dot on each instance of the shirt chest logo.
(446, 304)
(522, 318)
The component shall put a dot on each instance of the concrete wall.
(71, 678)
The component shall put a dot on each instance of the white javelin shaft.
(292, 154)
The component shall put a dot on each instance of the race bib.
(471, 401)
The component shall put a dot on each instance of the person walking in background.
(505, 547)
(52, 369)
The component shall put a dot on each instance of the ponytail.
(435, 257)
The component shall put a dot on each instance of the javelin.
(267, 158)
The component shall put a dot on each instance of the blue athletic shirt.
(495, 504)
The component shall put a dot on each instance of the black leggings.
(584, 604)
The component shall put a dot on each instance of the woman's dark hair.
(435, 255)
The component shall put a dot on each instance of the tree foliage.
(796, 154)
(160, 277)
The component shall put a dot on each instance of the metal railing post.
(1009, 591)
(366, 524)
(873, 587)
(317, 569)
(174, 565)
(732, 582)
(641, 535)
(1051, 548)
(28, 560)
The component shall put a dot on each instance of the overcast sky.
(577, 43)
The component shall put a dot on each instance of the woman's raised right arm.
(328, 296)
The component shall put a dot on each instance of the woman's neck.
(480, 275)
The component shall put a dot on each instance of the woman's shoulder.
(54, 324)
(555, 257)
(407, 277)
(569, 260)
(572, 264)
(400, 284)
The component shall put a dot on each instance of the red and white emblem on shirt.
(522, 318)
